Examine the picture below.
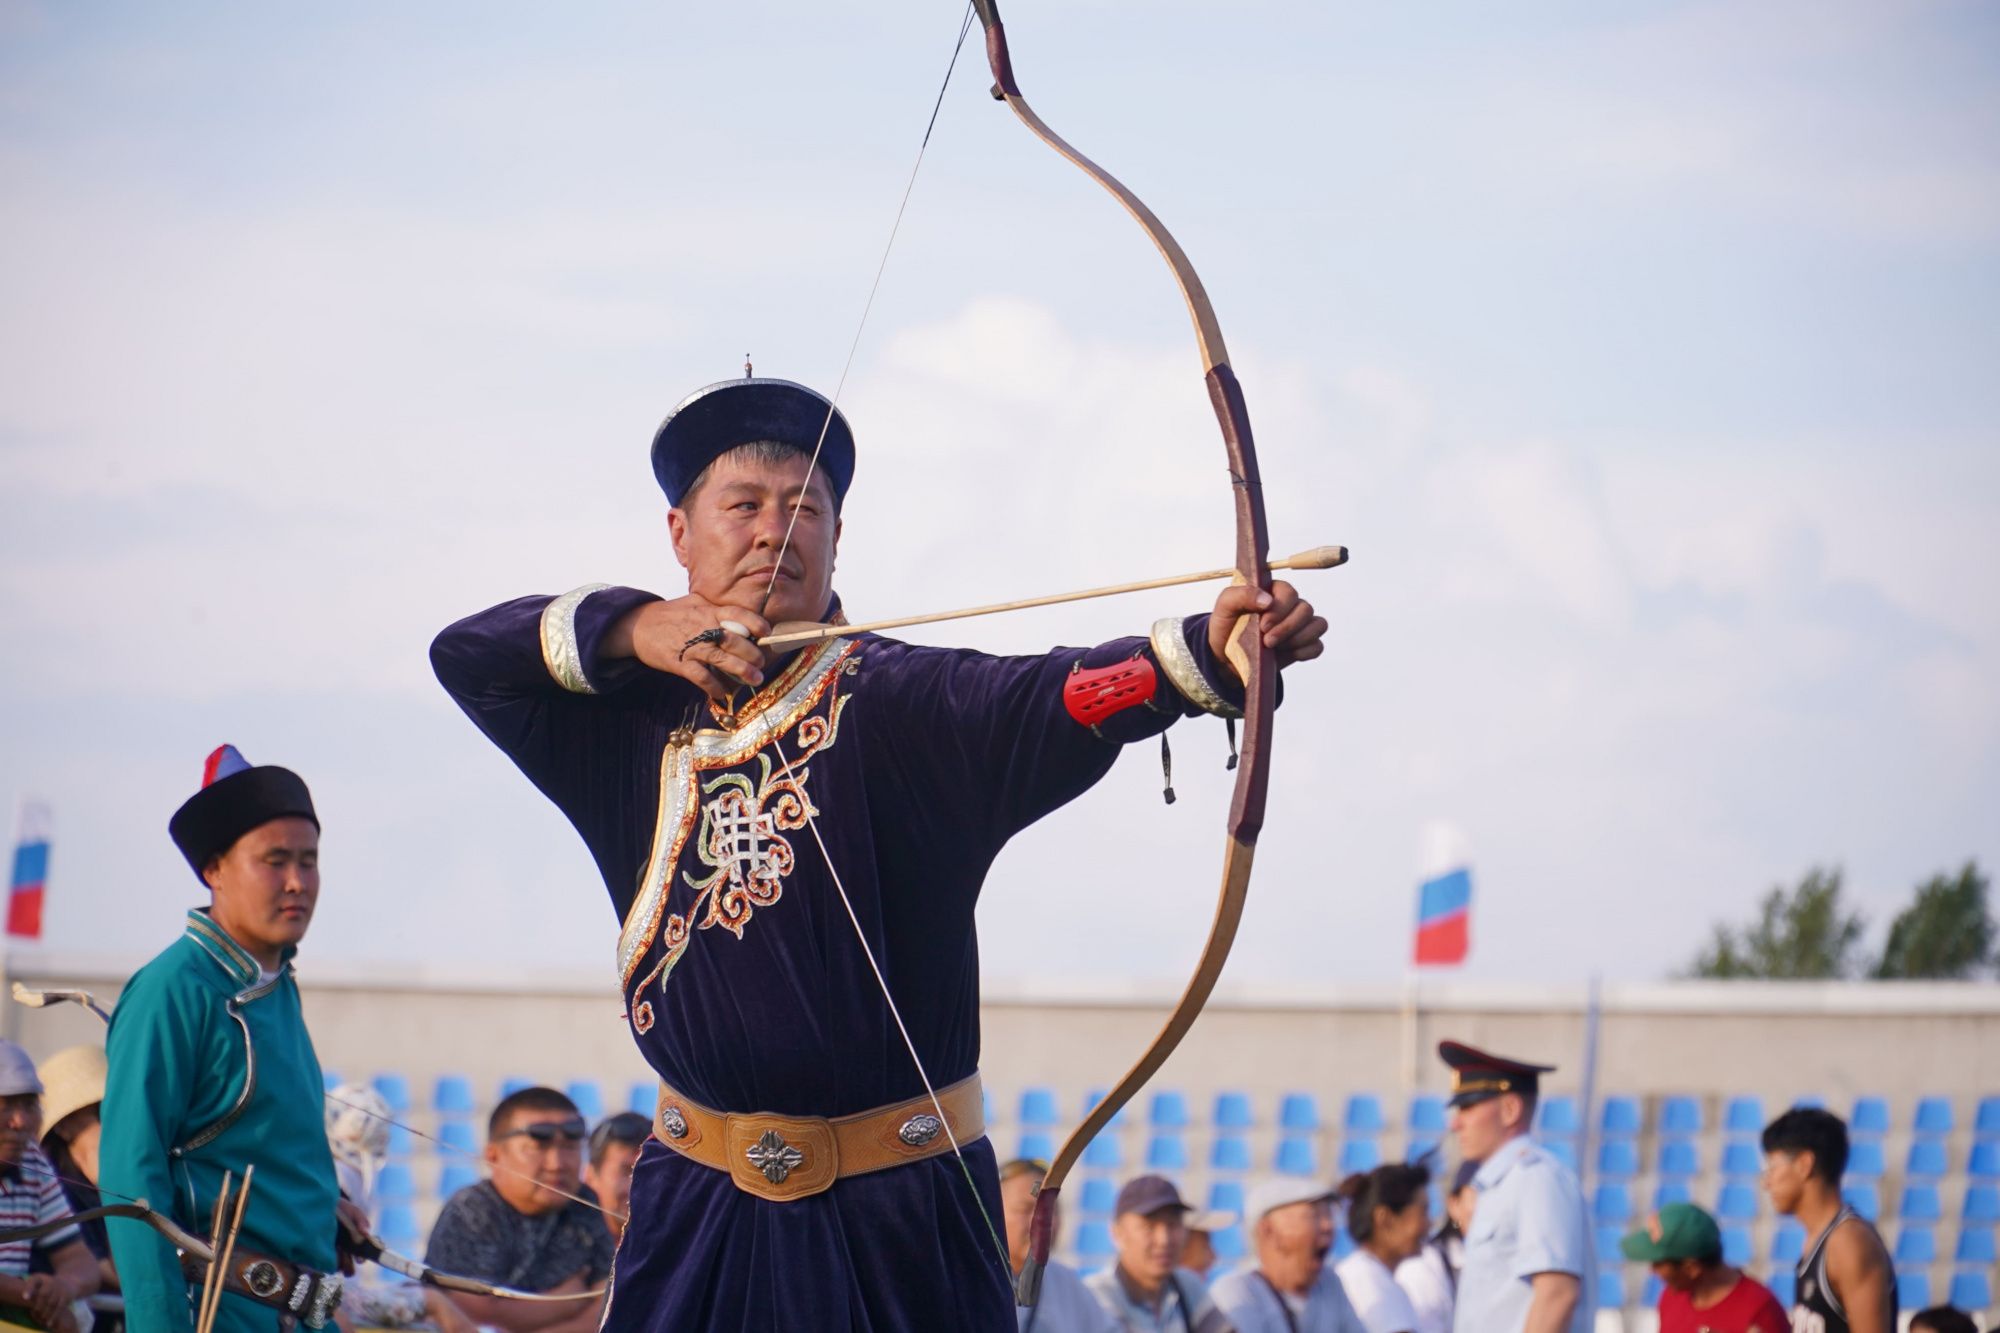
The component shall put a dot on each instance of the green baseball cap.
(1677, 1231)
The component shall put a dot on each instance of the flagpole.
(1587, 1094)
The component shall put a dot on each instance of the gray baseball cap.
(17, 1071)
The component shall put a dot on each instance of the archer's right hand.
(686, 637)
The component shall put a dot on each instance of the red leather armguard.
(1093, 694)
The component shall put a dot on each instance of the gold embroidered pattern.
(742, 821)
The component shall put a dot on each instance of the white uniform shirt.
(1254, 1306)
(1426, 1277)
(1066, 1306)
(1530, 1220)
(1383, 1306)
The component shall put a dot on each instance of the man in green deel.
(211, 1070)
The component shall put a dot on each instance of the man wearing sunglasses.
(524, 1226)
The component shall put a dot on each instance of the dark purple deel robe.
(745, 985)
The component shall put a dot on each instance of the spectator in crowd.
(1698, 1292)
(1942, 1319)
(1845, 1278)
(73, 1089)
(1528, 1262)
(357, 1133)
(524, 1227)
(1147, 1291)
(1066, 1305)
(29, 1196)
(1198, 1255)
(1388, 1214)
(1291, 1289)
(1431, 1276)
(607, 1176)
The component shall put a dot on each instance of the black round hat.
(235, 797)
(711, 421)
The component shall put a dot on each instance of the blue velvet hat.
(710, 422)
(235, 797)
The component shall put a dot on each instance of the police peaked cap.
(235, 797)
(709, 422)
(1477, 1076)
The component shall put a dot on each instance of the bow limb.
(182, 1240)
(1255, 664)
(374, 1250)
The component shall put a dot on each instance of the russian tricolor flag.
(31, 875)
(1444, 918)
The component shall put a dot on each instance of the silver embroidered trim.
(560, 652)
(1170, 648)
(774, 1157)
(919, 1130)
(674, 1123)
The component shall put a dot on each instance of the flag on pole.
(1444, 899)
(31, 874)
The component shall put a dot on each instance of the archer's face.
(729, 530)
(267, 884)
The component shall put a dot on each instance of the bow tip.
(1028, 1286)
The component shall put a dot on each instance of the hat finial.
(747, 372)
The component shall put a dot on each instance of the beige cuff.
(1171, 651)
(560, 651)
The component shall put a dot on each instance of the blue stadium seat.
(1093, 1241)
(461, 1137)
(1618, 1159)
(1097, 1095)
(1737, 1202)
(1863, 1199)
(1680, 1115)
(589, 1098)
(452, 1095)
(1427, 1115)
(1297, 1156)
(1927, 1160)
(1563, 1150)
(1612, 1203)
(1913, 1289)
(1104, 1153)
(1343, 1244)
(399, 1227)
(1678, 1159)
(1038, 1108)
(395, 1090)
(1620, 1116)
(512, 1084)
(1168, 1110)
(644, 1099)
(1788, 1242)
(1808, 1101)
(1736, 1245)
(455, 1177)
(1986, 1123)
(1984, 1161)
(1298, 1112)
(1649, 1295)
(1744, 1115)
(1741, 1160)
(1982, 1205)
(1671, 1191)
(1783, 1285)
(1100, 1196)
(1416, 1150)
(1608, 1240)
(1226, 1196)
(1864, 1160)
(1232, 1111)
(1975, 1246)
(329, 1080)
(1871, 1116)
(1037, 1145)
(1360, 1155)
(1971, 1290)
(1363, 1114)
(1915, 1245)
(1166, 1152)
(1610, 1289)
(1228, 1243)
(395, 1184)
(401, 1142)
(1933, 1116)
(1229, 1152)
(1557, 1116)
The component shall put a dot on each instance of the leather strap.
(786, 1157)
(307, 1296)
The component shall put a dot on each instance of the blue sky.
(1642, 357)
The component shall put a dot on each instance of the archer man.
(799, 1175)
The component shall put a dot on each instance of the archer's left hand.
(1285, 619)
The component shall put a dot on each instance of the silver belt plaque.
(919, 1130)
(774, 1157)
(674, 1122)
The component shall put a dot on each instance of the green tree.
(1945, 932)
(1805, 933)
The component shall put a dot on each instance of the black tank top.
(1815, 1309)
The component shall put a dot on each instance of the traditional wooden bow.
(1255, 664)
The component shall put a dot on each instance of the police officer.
(1528, 1264)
